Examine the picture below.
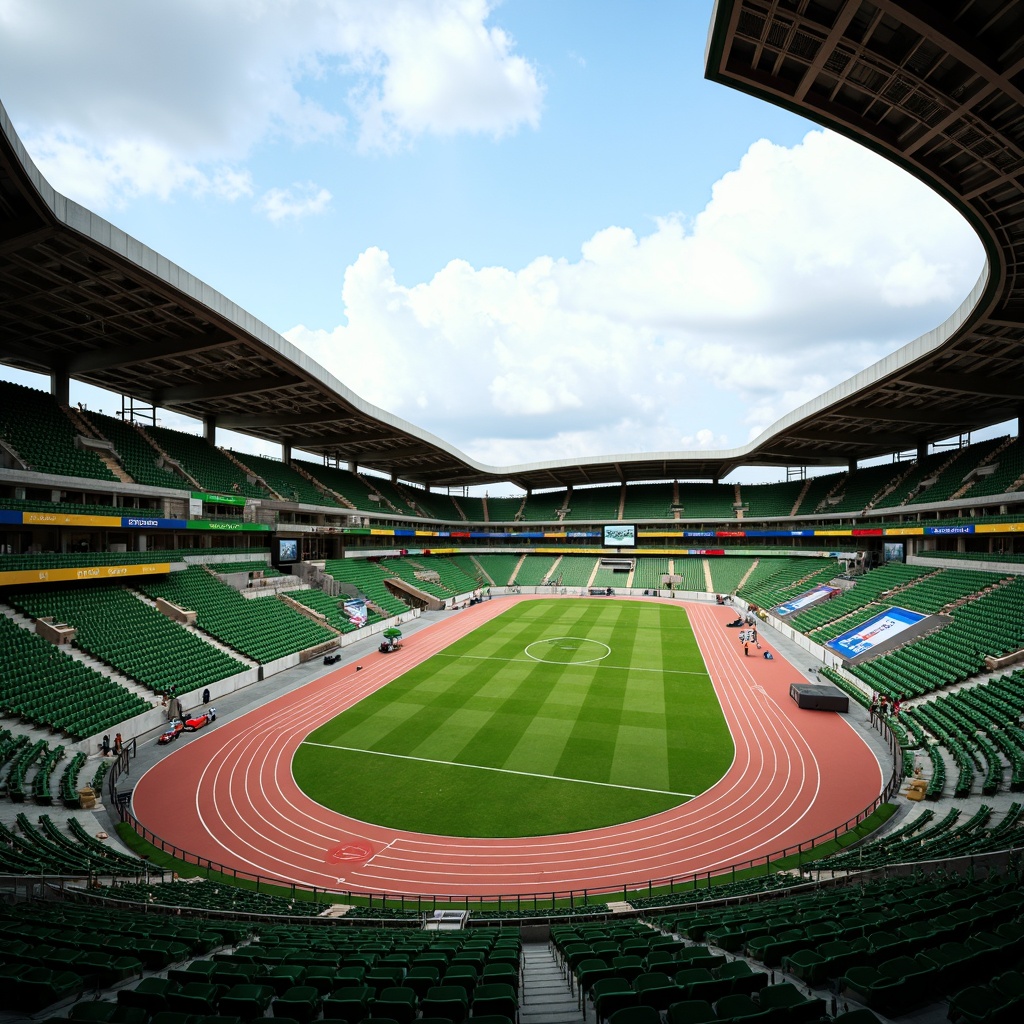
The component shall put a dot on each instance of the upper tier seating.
(1009, 471)
(859, 487)
(434, 504)
(707, 501)
(392, 493)
(43, 685)
(286, 481)
(543, 507)
(41, 433)
(263, 629)
(352, 487)
(138, 456)
(770, 499)
(648, 501)
(594, 504)
(817, 488)
(943, 471)
(473, 508)
(208, 465)
(116, 627)
(503, 510)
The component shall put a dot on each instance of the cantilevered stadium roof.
(942, 94)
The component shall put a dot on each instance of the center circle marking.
(606, 650)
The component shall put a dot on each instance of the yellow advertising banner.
(64, 519)
(85, 572)
(999, 528)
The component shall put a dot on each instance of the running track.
(795, 775)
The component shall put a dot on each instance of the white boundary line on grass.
(575, 664)
(503, 771)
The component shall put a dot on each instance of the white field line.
(503, 771)
(573, 664)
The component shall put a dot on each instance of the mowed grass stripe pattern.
(626, 701)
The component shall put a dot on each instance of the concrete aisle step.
(545, 997)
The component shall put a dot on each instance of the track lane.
(795, 774)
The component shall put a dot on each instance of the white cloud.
(807, 264)
(300, 200)
(436, 67)
(118, 100)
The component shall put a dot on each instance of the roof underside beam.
(969, 383)
(130, 355)
(187, 393)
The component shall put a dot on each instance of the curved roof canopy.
(942, 94)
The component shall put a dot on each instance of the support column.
(210, 428)
(60, 385)
(851, 465)
(286, 452)
(922, 450)
(353, 466)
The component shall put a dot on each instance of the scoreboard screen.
(619, 535)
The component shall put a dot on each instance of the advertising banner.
(92, 572)
(355, 611)
(879, 628)
(808, 597)
(68, 519)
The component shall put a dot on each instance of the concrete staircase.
(110, 459)
(545, 997)
(800, 497)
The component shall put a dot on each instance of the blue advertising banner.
(879, 628)
(808, 597)
(153, 523)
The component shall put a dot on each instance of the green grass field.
(556, 716)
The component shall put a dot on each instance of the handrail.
(532, 902)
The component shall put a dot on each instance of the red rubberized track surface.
(229, 795)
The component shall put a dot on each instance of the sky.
(531, 228)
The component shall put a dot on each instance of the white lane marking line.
(503, 771)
